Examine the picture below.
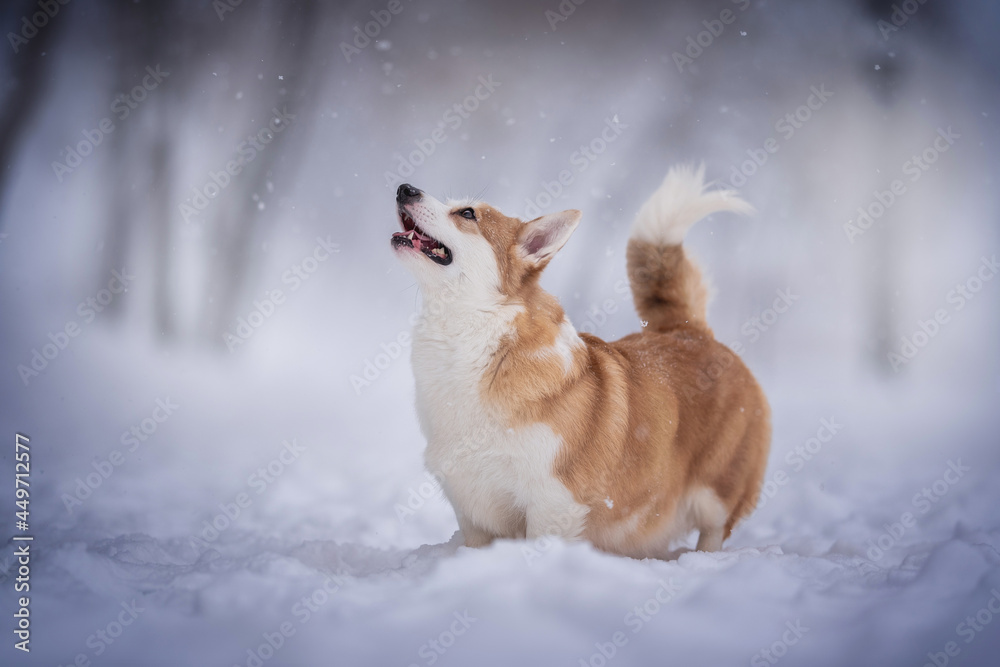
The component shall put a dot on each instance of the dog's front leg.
(560, 517)
(474, 536)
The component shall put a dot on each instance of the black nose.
(407, 193)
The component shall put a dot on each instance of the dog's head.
(474, 246)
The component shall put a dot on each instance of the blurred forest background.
(356, 110)
(359, 103)
(206, 147)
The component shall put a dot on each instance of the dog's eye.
(468, 213)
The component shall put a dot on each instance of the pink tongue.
(420, 241)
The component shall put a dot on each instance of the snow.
(379, 588)
(281, 505)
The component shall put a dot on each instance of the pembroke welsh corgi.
(536, 430)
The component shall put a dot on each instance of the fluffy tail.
(667, 287)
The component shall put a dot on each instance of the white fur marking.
(566, 342)
(679, 202)
(500, 480)
(705, 508)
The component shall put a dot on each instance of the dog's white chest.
(494, 477)
(499, 478)
(488, 470)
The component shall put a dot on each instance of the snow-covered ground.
(325, 550)
(193, 506)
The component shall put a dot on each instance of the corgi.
(536, 430)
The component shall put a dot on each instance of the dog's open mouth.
(416, 238)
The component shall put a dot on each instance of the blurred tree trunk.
(884, 82)
(142, 182)
(137, 30)
(140, 185)
(237, 229)
(29, 79)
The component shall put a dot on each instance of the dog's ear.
(542, 237)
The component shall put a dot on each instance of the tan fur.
(648, 421)
(666, 286)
